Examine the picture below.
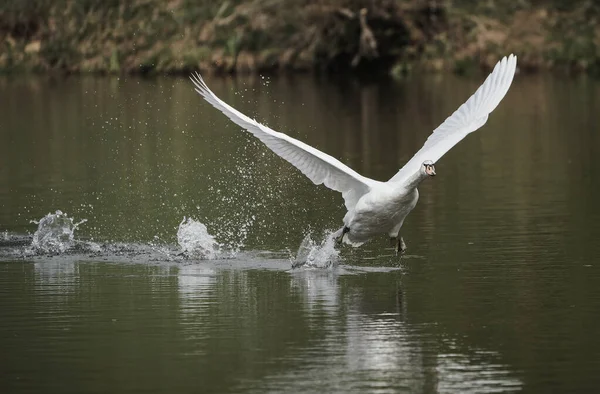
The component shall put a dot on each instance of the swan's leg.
(399, 244)
(397, 239)
(344, 231)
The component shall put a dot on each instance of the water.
(180, 280)
(317, 254)
(195, 241)
(55, 233)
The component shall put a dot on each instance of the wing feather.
(466, 119)
(319, 167)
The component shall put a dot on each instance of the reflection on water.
(229, 330)
(500, 289)
(367, 350)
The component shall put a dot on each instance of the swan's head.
(428, 168)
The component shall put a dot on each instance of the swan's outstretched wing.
(466, 119)
(319, 167)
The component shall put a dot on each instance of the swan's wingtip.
(509, 61)
(198, 81)
(511, 57)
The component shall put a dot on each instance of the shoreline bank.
(266, 36)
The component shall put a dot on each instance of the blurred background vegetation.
(174, 36)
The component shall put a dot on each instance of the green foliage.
(233, 45)
(195, 56)
(177, 35)
(465, 66)
(114, 61)
(58, 54)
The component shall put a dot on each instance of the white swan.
(376, 207)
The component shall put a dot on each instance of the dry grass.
(142, 36)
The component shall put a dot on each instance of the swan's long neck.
(413, 181)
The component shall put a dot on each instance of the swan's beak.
(430, 170)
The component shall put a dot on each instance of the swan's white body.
(376, 207)
(382, 210)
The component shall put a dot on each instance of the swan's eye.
(429, 169)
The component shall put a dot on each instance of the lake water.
(499, 290)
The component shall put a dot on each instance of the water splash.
(195, 241)
(316, 255)
(55, 237)
(55, 233)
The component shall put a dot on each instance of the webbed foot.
(400, 245)
(341, 237)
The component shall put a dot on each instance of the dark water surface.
(499, 292)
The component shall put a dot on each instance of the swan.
(375, 207)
